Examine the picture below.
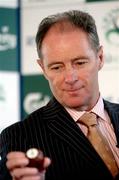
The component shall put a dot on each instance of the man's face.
(71, 67)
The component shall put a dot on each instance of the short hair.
(77, 18)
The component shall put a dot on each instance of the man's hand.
(17, 163)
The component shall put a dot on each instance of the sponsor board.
(99, 0)
(8, 39)
(9, 99)
(28, 3)
(36, 93)
(106, 15)
(8, 3)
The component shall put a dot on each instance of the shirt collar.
(97, 109)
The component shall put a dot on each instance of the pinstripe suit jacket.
(52, 129)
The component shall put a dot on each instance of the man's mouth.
(71, 91)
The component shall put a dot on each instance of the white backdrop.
(9, 75)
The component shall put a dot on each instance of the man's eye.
(81, 62)
(55, 67)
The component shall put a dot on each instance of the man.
(70, 56)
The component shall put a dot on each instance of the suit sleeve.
(4, 149)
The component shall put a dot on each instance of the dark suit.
(53, 130)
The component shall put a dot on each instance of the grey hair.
(77, 18)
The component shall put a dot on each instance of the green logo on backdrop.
(34, 101)
(112, 27)
(111, 30)
(8, 39)
(36, 93)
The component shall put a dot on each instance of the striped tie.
(99, 143)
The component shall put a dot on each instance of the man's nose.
(70, 76)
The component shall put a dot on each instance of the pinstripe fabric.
(53, 130)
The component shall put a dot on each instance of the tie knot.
(88, 119)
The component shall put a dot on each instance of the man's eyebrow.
(79, 57)
(54, 63)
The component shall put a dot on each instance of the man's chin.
(74, 105)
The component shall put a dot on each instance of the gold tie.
(99, 143)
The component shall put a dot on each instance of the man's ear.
(101, 57)
(40, 63)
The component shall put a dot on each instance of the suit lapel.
(63, 126)
(113, 111)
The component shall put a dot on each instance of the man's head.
(71, 56)
(79, 19)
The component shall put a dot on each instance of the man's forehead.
(63, 26)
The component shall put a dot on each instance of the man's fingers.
(20, 172)
(16, 159)
(47, 162)
(15, 154)
(27, 174)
